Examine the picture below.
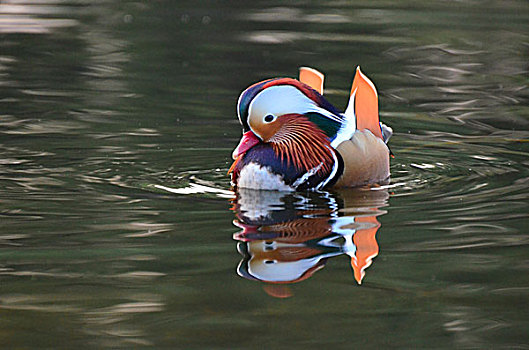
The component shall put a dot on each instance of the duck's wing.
(364, 152)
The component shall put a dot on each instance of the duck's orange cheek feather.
(266, 131)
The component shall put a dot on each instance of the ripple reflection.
(286, 238)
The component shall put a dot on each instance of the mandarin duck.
(294, 139)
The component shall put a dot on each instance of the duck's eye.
(269, 118)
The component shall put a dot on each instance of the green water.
(117, 122)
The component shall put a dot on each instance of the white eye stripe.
(284, 99)
(278, 100)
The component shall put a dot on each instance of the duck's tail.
(387, 132)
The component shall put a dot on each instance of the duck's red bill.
(248, 140)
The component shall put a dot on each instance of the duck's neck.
(301, 143)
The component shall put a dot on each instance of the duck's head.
(287, 114)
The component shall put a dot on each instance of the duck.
(294, 139)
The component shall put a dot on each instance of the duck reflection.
(287, 237)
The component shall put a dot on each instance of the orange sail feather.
(312, 78)
(365, 104)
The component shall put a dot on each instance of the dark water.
(117, 120)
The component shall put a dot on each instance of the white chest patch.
(261, 178)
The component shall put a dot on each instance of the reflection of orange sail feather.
(366, 247)
(278, 291)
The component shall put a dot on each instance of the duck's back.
(366, 160)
